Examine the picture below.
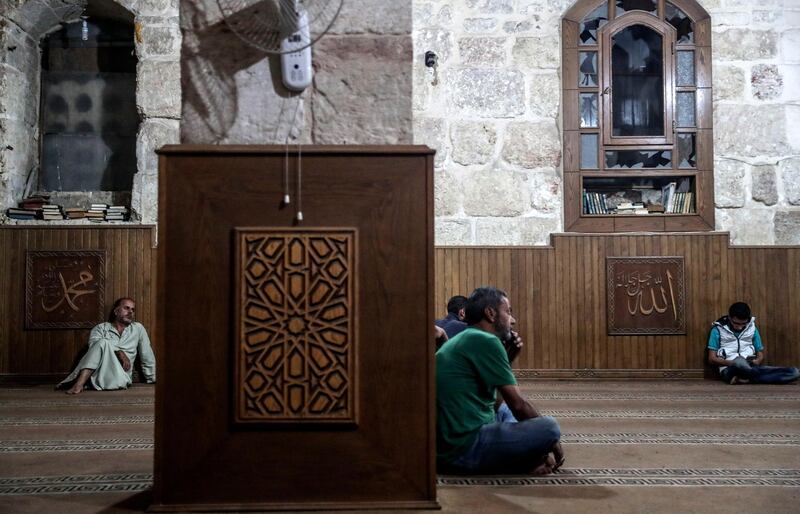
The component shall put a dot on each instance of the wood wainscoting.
(48, 354)
(558, 295)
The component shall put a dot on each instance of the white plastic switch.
(296, 56)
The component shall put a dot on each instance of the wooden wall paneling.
(560, 298)
(598, 301)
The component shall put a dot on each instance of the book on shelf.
(667, 196)
(15, 213)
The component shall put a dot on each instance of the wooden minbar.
(296, 370)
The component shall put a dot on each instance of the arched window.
(88, 105)
(637, 116)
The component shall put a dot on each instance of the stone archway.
(158, 92)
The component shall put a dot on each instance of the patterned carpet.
(672, 446)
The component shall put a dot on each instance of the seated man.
(735, 345)
(471, 436)
(113, 347)
(453, 323)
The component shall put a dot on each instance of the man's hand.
(513, 346)
(123, 359)
(441, 336)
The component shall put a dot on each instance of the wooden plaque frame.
(296, 344)
(64, 289)
(628, 280)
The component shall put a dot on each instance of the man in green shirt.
(472, 435)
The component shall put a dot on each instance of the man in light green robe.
(113, 347)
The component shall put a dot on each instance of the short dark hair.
(456, 303)
(479, 300)
(739, 310)
(111, 315)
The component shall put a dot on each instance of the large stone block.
(158, 89)
(766, 82)
(790, 175)
(515, 231)
(448, 193)
(790, 42)
(373, 17)
(750, 130)
(787, 227)
(160, 41)
(729, 186)
(144, 198)
(492, 6)
(536, 53)
(432, 132)
(18, 156)
(18, 49)
(532, 144)
(164, 7)
(482, 51)
(747, 226)
(153, 134)
(765, 188)
(791, 77)
(473, 141)
(495, 192)
(545, 189)
(362, 101)
(19, 99)
(468, 87)
(435, 40)
(545, 95)
(452, 232)
(35, 17)
(745, 44)
(479, 25)
(728, 82)
(792, 114)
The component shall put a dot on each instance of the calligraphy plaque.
(645, 295)
(64, 289)
(296, 323)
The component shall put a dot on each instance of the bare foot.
(76, 389)
(545, 468)
(558, 454)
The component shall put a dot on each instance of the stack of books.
(20, 214)
(74, 213)
(97, 212)
(52, 212)
(631, 208)
(116, 213)
(34, 202)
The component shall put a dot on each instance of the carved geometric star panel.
(296, 326)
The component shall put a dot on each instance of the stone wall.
(757, 119)
(492, 107)
(158, 94)
(361, 91)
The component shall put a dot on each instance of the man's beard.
(502, 332)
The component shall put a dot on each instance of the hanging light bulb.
(84, 29)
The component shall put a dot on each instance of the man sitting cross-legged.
(113, 347)
(474, 432)
(735, 345)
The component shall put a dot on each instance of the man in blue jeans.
(735, 345)
(476, 433)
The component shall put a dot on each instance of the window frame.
(701, 175)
